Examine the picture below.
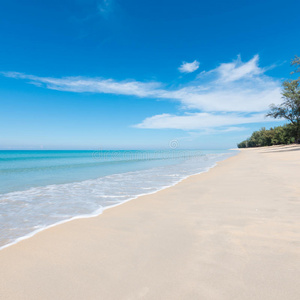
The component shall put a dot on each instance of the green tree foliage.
(296, 62)
(274, 136)
(289, 109)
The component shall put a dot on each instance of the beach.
(230, 233)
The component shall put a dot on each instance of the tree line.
(274, 136)
(289, 109)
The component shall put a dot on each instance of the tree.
(274, 136)
(296, 62)
(289, 109)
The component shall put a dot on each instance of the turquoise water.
(42, 188)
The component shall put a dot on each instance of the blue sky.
(101, 74)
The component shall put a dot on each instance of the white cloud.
(238, 97)
(224, 96)
(189, 67)
(200, 121)
(237, 70)
(93, 85)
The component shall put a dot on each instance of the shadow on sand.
(294, 147)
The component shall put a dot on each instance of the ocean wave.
(26, 212)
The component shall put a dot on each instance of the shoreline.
(100, 211)
(229, 233)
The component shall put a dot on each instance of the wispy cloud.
(233, 93)
(105, 7)
(203, 120)
(237, 70)
(93, 85)
(189, 67)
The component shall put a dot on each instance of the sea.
(40, 189)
